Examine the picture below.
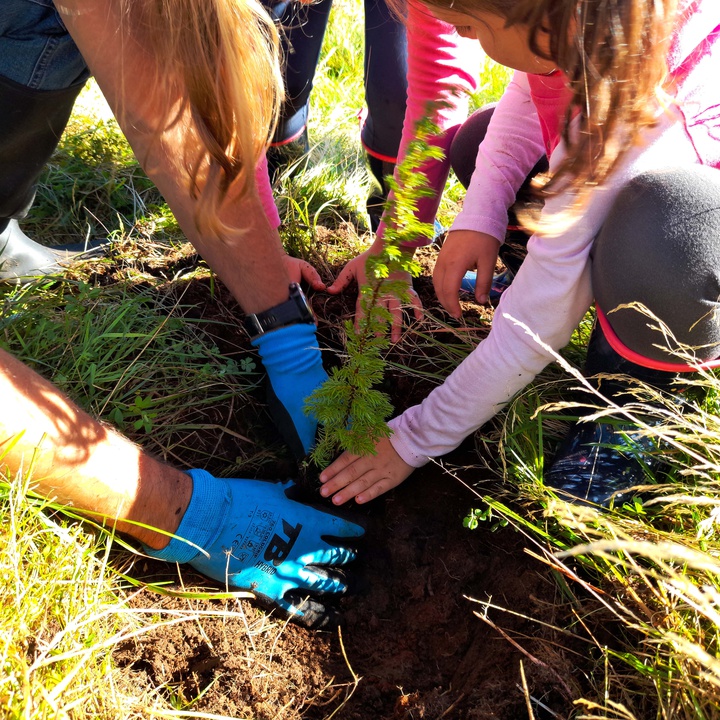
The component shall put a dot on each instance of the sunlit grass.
(67, 605)
(129, 354)
(60, 606)
(652, 565)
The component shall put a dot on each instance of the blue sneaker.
(600, 462)
(500, 283)
(604, 462)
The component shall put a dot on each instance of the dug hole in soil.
(414, 642)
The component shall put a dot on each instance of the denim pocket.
(36, 49)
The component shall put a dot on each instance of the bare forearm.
(249, 259)
(77, 461)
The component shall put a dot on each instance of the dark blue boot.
(600, 462)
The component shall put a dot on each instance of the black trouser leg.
(31, 123)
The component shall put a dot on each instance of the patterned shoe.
(599, 463)
(500, 283)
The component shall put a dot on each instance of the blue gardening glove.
(293, 363)
(249, 535)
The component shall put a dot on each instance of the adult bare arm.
(80, 462)
(247, 253)
(77, 461)
(250, 258)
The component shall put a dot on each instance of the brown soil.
(412, 644)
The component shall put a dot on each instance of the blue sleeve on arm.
(293, 363)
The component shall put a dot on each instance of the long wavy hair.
(614, 54)
(218, 67)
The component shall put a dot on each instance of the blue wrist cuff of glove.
(293, 362)
(293, 348)
(203, 520)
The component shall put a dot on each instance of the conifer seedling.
(351, 411)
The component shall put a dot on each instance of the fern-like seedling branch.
(350, 409)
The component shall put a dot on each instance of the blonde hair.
(613, 53)
(218, 65)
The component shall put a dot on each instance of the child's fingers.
(393, 305)
(483, 282)
(352, 272)
(375, 488)
(342, 281)
(371, 483)
(447, 288)
(362, 487)
(417, 305)
(311, 276)
(337, 474)
(348, 476)
(365, 477)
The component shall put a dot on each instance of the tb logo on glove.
(246, 548)
(279, 549)
(251, 535)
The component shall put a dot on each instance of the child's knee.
(464, 148)
(659, 247)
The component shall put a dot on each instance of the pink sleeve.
(262, 182)
(512, 146)
(694, 60)
(440, 63)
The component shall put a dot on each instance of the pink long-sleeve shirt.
(442, 66)
(552, 290)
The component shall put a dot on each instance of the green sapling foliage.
(349, 407)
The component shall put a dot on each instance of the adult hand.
(302, 271)
(355, 270)
(281, 550)
(291, 357)
(364, 477)
(464, 250)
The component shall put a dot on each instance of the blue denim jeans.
(36, 49)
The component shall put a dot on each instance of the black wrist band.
(293, 311)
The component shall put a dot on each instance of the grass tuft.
(644, 576)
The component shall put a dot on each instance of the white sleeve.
(549, 295)
(512, 146)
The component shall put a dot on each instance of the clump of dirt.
(412, 644)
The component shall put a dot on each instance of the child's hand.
(355, 270)
(464, 250)
(364, 477)
(302, 271)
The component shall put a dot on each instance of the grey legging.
(660, 246)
